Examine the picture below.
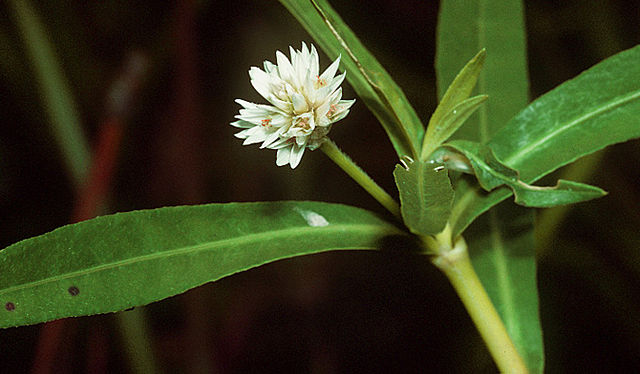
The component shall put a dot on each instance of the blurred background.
(154, 83)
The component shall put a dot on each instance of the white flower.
(304, 105)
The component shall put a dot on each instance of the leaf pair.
(492, 173)
(598, 108)
(455, 107)
(426, 193)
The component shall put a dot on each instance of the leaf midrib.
(521, 154)
(245, 239)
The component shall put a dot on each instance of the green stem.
(362, 178)
(456, 265)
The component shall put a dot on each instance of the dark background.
(336, 312)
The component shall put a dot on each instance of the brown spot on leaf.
(73, 291)
(10, 306)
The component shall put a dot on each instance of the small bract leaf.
(426, 196)
(451, 122)
(459, 90)
(492, 173)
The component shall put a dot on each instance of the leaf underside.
(426, 196)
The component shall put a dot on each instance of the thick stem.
(364, 180)
(456, 265)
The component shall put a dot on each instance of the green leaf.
(450, 123)
(502, 251)
(563, 193)
(492, 173)
(464, 28)
(426, 196)
(115, 262)
(440, 127)
(598, 108)
(369, 79)
(501, 243)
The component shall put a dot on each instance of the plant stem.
(358, 175)
(456, 265)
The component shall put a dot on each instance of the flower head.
(304, 105)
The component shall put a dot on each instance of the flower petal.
(335, 83)
(270, 67)
(279, 143)
(255, 135)
(261, 81)
(283, 156)
(242, 124)
(299, 103)
(331, 70)
(296, 155)
(270, 139)
(314, 64)
(284, 67)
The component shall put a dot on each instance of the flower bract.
(304, 103)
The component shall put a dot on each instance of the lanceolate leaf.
(492, 173)
(115, 262)
(369, 79)
(598, 108)
(425, 196)
(439, 130)
(450, 122)
(501, 243)
(464, 28)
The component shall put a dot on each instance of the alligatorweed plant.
(476, 151)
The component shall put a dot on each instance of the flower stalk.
(456, 265)
(363, 179)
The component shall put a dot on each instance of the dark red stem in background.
(93, 197)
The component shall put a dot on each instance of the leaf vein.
(523, 152)
(245, 239)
